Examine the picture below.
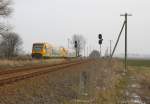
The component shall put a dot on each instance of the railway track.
(10, 76)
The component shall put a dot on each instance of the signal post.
(76, 46)
(100, 42)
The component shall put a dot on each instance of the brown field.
(142, 76)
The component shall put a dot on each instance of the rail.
(10, 76)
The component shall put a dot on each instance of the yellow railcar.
(45, 50)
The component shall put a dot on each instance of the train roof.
(41, 43)
(52, 45)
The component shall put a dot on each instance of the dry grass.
(4, 64)
(54, 88)
(64, 87)
(142, 74)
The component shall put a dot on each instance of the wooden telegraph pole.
(126, 21)
(124, 25)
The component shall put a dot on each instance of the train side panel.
(45, 50)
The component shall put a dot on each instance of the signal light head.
(100, 36)
(100, 41)
(75, 44)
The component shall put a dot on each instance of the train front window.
(37, 47)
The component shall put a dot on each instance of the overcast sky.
(54, 21)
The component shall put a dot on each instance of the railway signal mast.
(76, 46)
(100, 42)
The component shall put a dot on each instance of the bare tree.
(10, 45)
(5, 11)
(5, 8)
(80, 43)
(10, 42)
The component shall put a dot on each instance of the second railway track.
(11, 76)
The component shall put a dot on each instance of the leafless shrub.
(94, 54)
(10, 45)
